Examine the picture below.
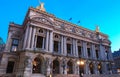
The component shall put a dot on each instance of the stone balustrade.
(102, 75)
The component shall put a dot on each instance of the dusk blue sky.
(105, 13)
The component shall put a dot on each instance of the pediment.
(43, 20)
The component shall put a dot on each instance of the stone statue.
(41, 7)
(27, 62)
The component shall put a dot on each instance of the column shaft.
(62, 44)
(33, 38)
(47, 39)
(85, 49)
(102, 52)
(76, 47)
(29, 38)
(93, 52)
(74, 50)
(25, 37)
(51, 42)
(65, 48)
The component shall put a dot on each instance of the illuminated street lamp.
(81, 64)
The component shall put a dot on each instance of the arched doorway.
(37, 64)
(100, 68)
(56, 66)
(91, 67)
(69, 67)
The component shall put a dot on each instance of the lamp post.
(81, 64)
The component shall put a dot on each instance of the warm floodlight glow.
(80, 62)
(50, 75)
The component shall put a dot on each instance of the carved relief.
(43, 20)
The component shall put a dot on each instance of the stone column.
(65, 47)
(93, 52)
(76, 48)
(110, 54)
(47, 39)
(102, 52)
(27, 66)
(3, 64)
(43, 45)
(51, 42)
(29, 37)
(25, 37)
(33, 38)
(85, 49)
(9, 42)
(104, 68)
(35, 41)
(62, 45)
(95, 68)
(86, 67)
(73, 49)
(49, 66)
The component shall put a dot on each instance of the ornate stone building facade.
(116, 57)
(45, 45)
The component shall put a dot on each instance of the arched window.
(91, 68)
(37, 63)
(56, 67)
(70, 67)
(100, 68)
(40, 30)
(56, 36)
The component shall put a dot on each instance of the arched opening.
(100, 68)
(37, 64)
(56, 67)
(69, 67)
(91, 67)
(10, 67)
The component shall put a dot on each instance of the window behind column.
(14, 45)
(56, 46)
(89, 49)
(97, 51)
(69, 46)
(79, 50)
(107, 52)
(41, 36)
(79, 43)
(39, 42)
(97, 54)
(56, 43)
